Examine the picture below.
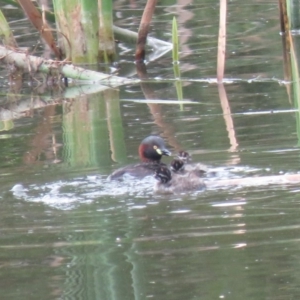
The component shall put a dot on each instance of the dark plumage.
(151, 150)
(182, 165)
(177, 165)
(184, 156)
(175, 183)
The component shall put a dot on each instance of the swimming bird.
(174, 183)
(151, 150)
(182, 164)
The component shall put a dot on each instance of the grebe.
(151, 150)
(174, 183)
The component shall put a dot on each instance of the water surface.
(68, 233)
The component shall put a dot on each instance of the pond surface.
(68, 233)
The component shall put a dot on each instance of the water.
(68, 233)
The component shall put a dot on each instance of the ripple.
(229, 203)
(69, 194)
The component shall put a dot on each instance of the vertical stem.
(144, 29)
(106, 35)
(77, 22)
(283, 15)
(38, 22)
(90, 24)
(222, 41)
(175, 50)
(6, 33)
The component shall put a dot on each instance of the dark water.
(68, 233)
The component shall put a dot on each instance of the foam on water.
(68, 194)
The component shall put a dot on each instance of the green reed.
(175, 55)
(175, 41)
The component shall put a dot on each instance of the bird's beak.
(162, 151)
(165, 152)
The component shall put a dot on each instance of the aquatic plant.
(175, 42)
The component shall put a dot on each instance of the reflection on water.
(69, 233)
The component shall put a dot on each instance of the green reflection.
(91, 125)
